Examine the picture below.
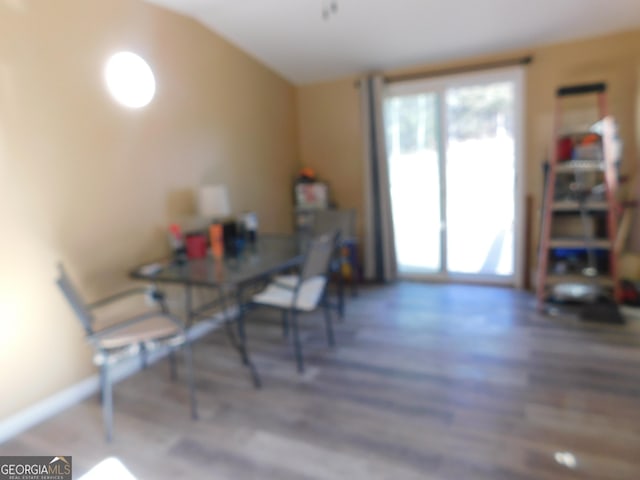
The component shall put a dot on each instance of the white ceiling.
(292, 38)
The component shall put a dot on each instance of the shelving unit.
(577, 262)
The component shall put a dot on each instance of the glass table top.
(268, 255)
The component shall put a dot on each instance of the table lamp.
(213, 202)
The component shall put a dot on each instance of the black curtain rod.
(462, 69)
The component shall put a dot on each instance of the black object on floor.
(603, 312)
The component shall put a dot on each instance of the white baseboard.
(74, 394)
(47, 408)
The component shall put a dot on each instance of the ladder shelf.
(580, 210)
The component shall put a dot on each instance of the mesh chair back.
(319, 255)
(343, 221)
(74, 298)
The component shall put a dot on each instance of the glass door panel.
(411, 126)
(480, 179)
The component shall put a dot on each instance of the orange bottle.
(216, 239)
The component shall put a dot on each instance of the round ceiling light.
(130, 79)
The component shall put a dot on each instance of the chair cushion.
(287, 280)
(276, 294)
(153, 328)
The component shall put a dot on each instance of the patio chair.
(303, 292)
(342, 221)
(124, 335)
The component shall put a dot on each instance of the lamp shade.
(213, 201)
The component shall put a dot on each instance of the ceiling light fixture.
(329, 9)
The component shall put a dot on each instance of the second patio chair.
(304, 292)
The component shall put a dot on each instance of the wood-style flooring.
(426, 382)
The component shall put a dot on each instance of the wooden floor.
(427, 382)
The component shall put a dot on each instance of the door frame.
(439, 85)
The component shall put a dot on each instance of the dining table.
(229, 276)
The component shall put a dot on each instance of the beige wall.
(330, 133)
(93, 184)
(330, 138)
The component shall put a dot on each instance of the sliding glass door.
(453, 150)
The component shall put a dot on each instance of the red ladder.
(600, 161)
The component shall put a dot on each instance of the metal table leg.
(240, 343)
